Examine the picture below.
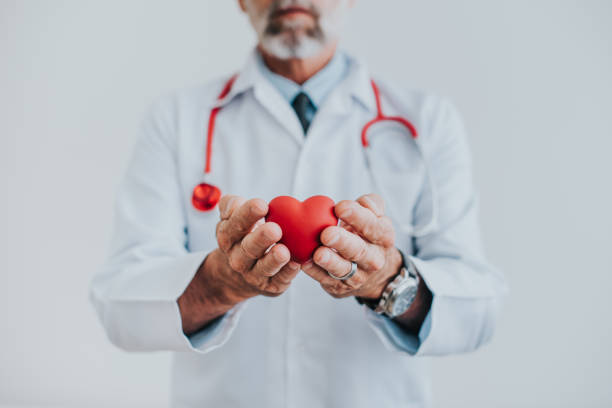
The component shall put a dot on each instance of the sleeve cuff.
(393, 336)
(139, 308)
(217, 332)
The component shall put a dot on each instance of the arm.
(240, 268)
(366, 237)
(151, 291)
(460, 294)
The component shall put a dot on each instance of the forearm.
(211, 293)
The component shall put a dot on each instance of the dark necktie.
(301, 104)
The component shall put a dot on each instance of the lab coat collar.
(245, 80)
(357, 82)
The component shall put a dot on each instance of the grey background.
(532, 79)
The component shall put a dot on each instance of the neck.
(299, 70)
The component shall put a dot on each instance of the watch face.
(403, 300)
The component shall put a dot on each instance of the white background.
(533, 79)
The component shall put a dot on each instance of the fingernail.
(333, 238)
(260, 206)
(278, 256)
(324, 257)
(294, 266)
(346, 213)
(372, 204)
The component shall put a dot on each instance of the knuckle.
(257, 282)
(358, 280)
(262, 285)
(377, 262)
(246, 248)
(388, 232)
(249, 278)
(370, 229)
(224, 243)
(362, 251)
(236, 263)
(257, 207)
(268, 272)
(219, 229)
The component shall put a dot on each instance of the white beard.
(294, 42)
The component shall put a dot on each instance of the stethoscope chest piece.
(205, 197)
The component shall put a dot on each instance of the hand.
(244, 239)
(243, 266)
(365, 236)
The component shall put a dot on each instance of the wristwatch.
(399, 293)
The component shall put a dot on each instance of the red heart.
(302, 223)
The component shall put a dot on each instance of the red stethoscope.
(206, 196)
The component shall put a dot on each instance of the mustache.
(278, 6)
(275, 27)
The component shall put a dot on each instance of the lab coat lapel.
(357, 84)
(252, 79)
(340, 102)
(271, 99)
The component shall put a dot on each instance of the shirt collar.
(356, 80)
(318, 87)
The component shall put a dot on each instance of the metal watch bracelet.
(381, 305)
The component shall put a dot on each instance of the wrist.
(413, 318)
(222, 284)
(404, 295)
(208, 295)
(393, 268)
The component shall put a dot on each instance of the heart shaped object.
(302, 223)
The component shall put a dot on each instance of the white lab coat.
(304, 348)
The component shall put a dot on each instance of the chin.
(290, 47)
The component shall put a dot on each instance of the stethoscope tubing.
(209, 194)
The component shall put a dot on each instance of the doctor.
(402, 276)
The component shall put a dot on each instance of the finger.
(353, 248)
(280, 282)
(271, 263)
(377, 230)
(374, 202)
(228, 204)
(332, 286)
(253, 246)
(255, 243)
(335, 264)
(240, 222)
(285, 276)
(319, 274)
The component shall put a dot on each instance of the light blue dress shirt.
(318, 88)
